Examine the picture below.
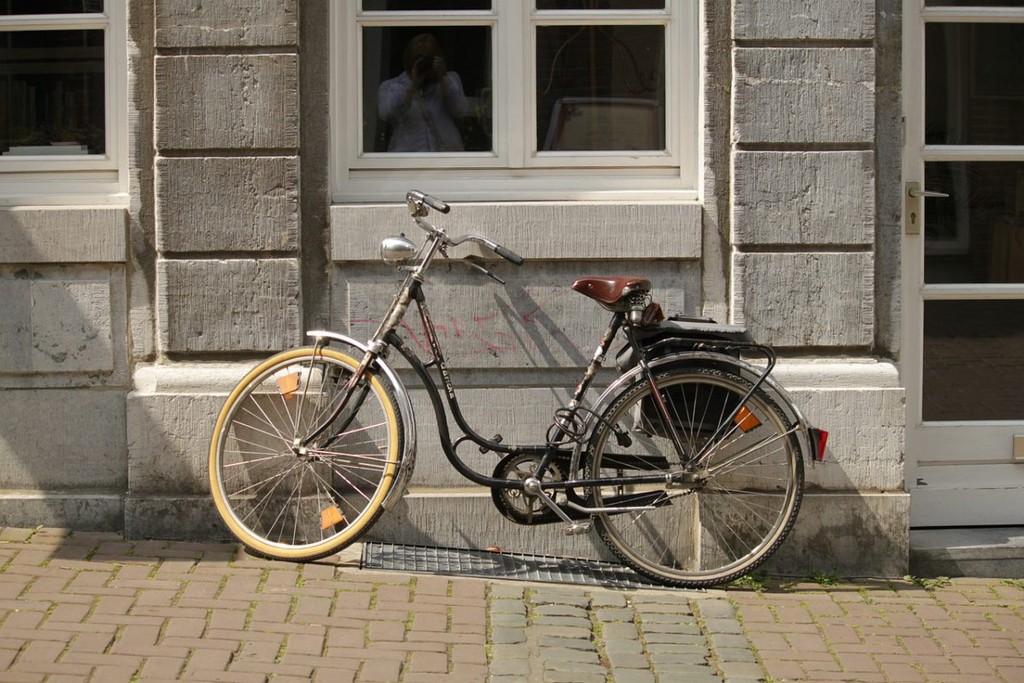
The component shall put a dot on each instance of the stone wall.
(814, 199)
(63, 366)
(226, 239)
(131, 333)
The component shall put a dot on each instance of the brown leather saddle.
(614, 293)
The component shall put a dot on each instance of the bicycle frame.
(678, 440)
(375, 353)
(448, 445)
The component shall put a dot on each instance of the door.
(963, 274)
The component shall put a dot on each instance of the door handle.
(912, 217)
(916, 192)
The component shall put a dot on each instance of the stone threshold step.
(989, 552)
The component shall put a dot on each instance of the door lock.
(913, 217)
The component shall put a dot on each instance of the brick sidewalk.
(93, 607)
(906, 631)
(96, 608)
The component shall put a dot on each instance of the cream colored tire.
(300, 504)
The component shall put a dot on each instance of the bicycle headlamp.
(396, 250)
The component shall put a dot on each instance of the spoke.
(753, 509)
(280, 515)
(276, 479)
(253, 428)
(759, 533)
(263, 417)
(749, 449)
(353, 487)
(254, 461)
(262, 482)
(358, 464)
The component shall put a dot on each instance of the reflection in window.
(974, 85)
(973, 353)
(600, 4)
(976, 235)
(426, 89)
(973, 3)
(600, 88)
(420, 5)
(11, 7)
(52, 92)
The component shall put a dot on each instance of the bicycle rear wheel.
(293, 503)
(731, 511)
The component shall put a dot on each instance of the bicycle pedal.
(577, 528)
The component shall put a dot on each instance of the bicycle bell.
(397, 249)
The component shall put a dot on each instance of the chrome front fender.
(408, 456)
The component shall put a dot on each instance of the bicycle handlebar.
(501, 251)
(417, 200)
(415, 196)
(509, 255)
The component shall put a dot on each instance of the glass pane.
(51, 92)
(8, 7)
(600, 4)
(973, 360)
(974, 84)
(426, 89)
(974, 3)
(600, 88)
(421, 6)
(976, 235)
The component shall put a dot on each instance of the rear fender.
(808, 438)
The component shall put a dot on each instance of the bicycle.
(690, 465)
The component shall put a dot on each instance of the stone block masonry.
(808, 270)
(226, 225)
(132, 323)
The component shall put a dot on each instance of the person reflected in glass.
(423, 104)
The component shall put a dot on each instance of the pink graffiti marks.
(480, 331)
(487, 334)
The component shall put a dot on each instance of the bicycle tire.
(296, 505)
(733, 514)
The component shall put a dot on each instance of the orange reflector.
(746, 420)
(330, 516)
(288, 384)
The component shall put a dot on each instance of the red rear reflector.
(819, 439)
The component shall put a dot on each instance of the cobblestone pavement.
(94, 607)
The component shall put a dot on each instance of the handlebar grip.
(432, 202)
(509, 255)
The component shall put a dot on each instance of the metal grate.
(500, 565)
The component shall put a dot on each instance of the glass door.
(964, 261)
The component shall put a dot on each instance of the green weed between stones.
(929, 584)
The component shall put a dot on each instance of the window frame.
(514, 170)
(68, 179)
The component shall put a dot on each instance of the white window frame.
(88, 178)
(514, 170)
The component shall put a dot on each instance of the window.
(517, 98)
(62, 66)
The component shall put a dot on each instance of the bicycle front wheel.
(292, 502)
(727, 510)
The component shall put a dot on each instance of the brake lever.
(471, 262)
